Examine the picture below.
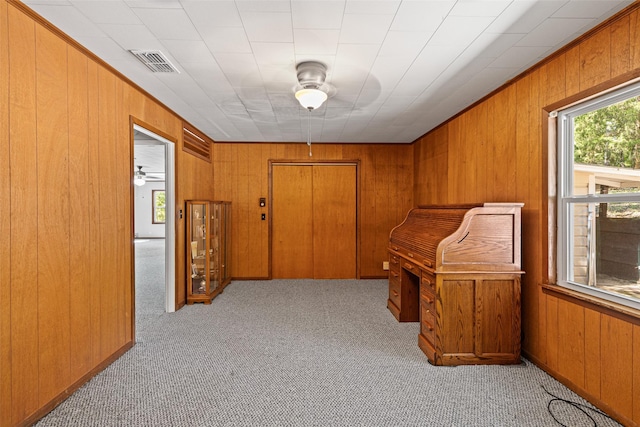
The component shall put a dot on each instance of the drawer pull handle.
(395, 248)
(410, 255)
(429, 327)
(408, 266)
(428, 263)
(395, 293)
(429, 301)
(394, 274)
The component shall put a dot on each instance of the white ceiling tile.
(421, 15)
(273, 53)
(373, 7)
(459, 30)
(219, 13)
(354, 57)
(524, 15)
(154, 4)
(479, 7)
(169, 24)
(70, 20)
(315, 41)
(317, 14)
(551, 30)
(268, 26)
(403, 43)
(518, 57)
(107, 12)
(491, 45)
(263, 5)
(189, 50)
(369, 29)
(587, 9)
(131, 36)
(226, 40)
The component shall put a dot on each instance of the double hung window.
(599, 196)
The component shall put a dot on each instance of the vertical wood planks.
(592, 350)
(79, 215)
(24, 216)
(52, 215)
(636, 373)
(571, 339)
(5, 225)
(617, 358)
(595, 59)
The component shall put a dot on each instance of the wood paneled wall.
(497, 151)
(66, 249)
(241, 174)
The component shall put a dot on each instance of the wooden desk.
(456, 269)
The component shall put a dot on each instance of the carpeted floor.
(304, 353)
(150, 283)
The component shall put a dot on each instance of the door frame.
(171, 282)
(355, 163)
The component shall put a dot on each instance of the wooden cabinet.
(208, 254)
(456, 270)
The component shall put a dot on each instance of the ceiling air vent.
(155, 61)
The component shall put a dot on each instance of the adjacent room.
(320, 212)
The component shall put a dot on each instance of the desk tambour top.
(456, 238)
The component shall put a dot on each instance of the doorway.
(314, 220)
(154, 224)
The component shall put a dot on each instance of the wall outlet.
(385, 265)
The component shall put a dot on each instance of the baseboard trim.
(53, 403)
(581, 392)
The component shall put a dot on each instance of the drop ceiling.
(399, 67)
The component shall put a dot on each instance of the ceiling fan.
(140, 177)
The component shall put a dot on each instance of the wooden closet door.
(291, 222)
(334, 222)
(313, 221)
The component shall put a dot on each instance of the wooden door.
(314, 221)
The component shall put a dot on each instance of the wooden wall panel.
(52, 215)
(66, 270)
(636, 374)
(592, 349)
(24, 230)
(617, 361)
(586, 348)
(571, 354)
(595, 59)
(386, 194)
(79, 215)
(5, 226)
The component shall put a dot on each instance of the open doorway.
(154, 226)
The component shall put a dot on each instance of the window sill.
(613, 309)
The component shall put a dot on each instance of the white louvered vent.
(155, 61)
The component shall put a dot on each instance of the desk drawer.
(428, 298)
(429, 281)
(409, 266)
(394, 263)
(394, 292)
(427, 323)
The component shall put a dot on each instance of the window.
(159, 210)
(599, 197)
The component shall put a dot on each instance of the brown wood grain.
(617, 359)
(334, 214)
(52, 215)
(634, 40)
(592, 350)
(292, 222)
(620, 47)
(79, 217)
(571, 338)
(496, 316)
(5, 225)
(595, 59)
(457, 299)
(24, 230)
(94, 211)
(636, 374)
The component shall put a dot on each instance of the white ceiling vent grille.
(155, 61)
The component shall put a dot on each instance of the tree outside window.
(159, 208)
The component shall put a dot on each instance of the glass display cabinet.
(207, 249)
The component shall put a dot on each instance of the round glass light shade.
(138, 180)
(311, 98)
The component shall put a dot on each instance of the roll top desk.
(456, 269)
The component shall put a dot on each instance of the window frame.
(566, 199)
(154, 207)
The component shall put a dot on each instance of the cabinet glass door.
(199, 254)
(214, 261)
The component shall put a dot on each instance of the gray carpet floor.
(304, 353)
(150, 282)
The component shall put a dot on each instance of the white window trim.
(565, 197)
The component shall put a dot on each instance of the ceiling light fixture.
(311, 76)
(139, 177)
